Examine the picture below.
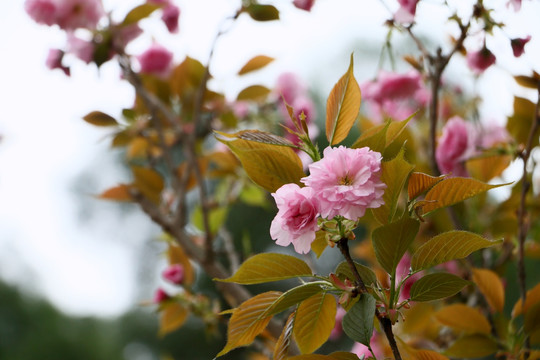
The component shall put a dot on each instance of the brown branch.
(385, 322)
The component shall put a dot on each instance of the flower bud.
(174, 274)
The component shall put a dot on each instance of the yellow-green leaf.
(255, 63)
(487, 167)
(253, 93)
(262, 12)
(437, 286)
(367, 275)
(149, 183)
(530, 82)
(448, 246)
(532, 298)
(140, 12)
(428, 355)
(172, 317)
(315, 319)
(453, 190)
(463, 318)
(320, 243)
(99, 118)
(342, 107)
(391, 241)
(420, 182)
(270, 166)
(281, 350)
(266, 267)
(293, 297)
(264, 137)
(491, 286)
(358, 321)
(519, 124)
(394, 174)
(472, 346)
(246, 321)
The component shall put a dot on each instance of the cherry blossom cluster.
(173, 274)
(344, 183)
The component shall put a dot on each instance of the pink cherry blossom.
(304, 4)
(490, 135)
(406, 12)
(160, 296)
(155, 60)
(174, 274)
(296, 220)
(361, 349)
(456, 143)
(338, 330)
(289, 86)
(125, 34)
(402, 270)
(480, 60)
(347, 182)
(54, 61)
(82, 49)
(74, 14)
(518, 45)
(516, 4)
(170, 16)
(42, 11)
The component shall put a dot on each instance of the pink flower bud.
(171, 14)
(74, 14)
(518, 45)
(480, 60)
(456, 143)
(156, 60)
(82, 49)
(54, 61)
(174, 274)
(42, 11)
(406, 11)
(304, 4)
(160, 296)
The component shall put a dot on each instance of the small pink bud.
(54, 61)
(174, 274)
(518, 45)
(160, 296)
(480, 60)
(156, 60)
(171, 14)
(304, 4)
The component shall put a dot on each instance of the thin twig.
(385, 322)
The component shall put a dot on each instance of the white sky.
(90, 268)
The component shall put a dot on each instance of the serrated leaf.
(253, 93)
(172, 317)
(338, 355)
(491, 286)
(420, 182)
(315, 319)
(391, 241)
(267, 267)
(148, 182)
(99, 118)
(448, 246)
(437, 286)
(140, 12)
(269, 166)
(453, 190)
(255, 63)
(177, 255)
(428, 355)
(293, 297)
(281, 350)
(367, 275)
(394, 174)
(246, 321)
(263, 12)
(358, 321)
(264, 137)
(320, 243)
(472, 346)
(117, 193)
(532, 298)
(463, 318)
(342, 107)
(374, 138)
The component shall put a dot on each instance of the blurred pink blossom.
(406, 12)
(126, 34)
(74, 14)
(174, 274)
(155, 60)
(41, 11)
(402, 271)
(296, 220)
(170, 16)
(304, 4)
(54, 61)
(160, 296)
(82, 49)
(491, 134)
(347, 182)
(290, 87)
(516, 4)
(480, 60)
(456, 143)
(518, 45)
(338, 330)
(361, 349)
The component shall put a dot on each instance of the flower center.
(346, 180)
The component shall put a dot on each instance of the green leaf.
(99, 118)
(448, 246)
(358, 321)
(391, 241)
(263, 12)
(420, 182)
(269, 166)
(532, 319)
(140, 12)
(315, 319)
(453, 190)
(264, 137)
(519, 124)
(342, 107)
(437, 286)
(367, 275)
(267, 267)
(320, 243)
(281, 350)
(246, 321)
(255, 63)
(394, 174)
(293, 297)
(472, 346)
(374, 138)
(396, 128)
(216, 218)
(149, 183)
(338, 355)
(253, 93)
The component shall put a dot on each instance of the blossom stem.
(385, 322)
